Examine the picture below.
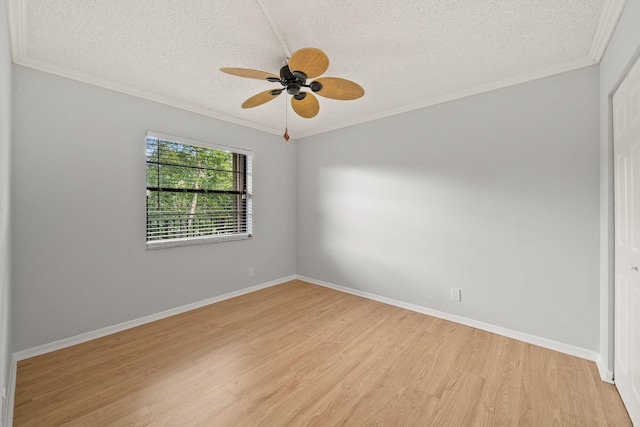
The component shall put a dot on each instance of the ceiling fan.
(304, 64)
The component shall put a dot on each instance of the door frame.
(607, 261)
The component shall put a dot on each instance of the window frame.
(199, 240)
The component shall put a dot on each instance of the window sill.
(190, 241)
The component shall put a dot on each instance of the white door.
(626, 132)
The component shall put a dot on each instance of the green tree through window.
(195, 192)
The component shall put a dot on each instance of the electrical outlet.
(455, 294)
(250, 271)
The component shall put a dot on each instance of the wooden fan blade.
(259, 99)
(311, 61)
(336, 88)
(248, 73)
(307, 107)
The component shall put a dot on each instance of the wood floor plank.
(616, 413)
(298, 354)
(500, 398)
(257, 399)
(447, 341)
(578, 397)
(539, 388)
(344, 399)
(472, 357)
(452, 408)
(412, 407)
(397, 372)
(192, 407)
(119, 413)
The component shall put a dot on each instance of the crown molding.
(16, 18)
(611, 12)
(16, 10)
(130, 90)
(106, 84)
(474, 90)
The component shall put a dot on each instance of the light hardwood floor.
(298, 354)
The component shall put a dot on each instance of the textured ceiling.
(406, 54)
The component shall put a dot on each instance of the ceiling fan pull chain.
(286, 122)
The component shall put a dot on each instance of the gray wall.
(496, 194)
(621, 52)
(512, 177)
(80, 262)
(5, 228)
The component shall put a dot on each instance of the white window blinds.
(196, 193)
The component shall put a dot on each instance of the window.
(196, 192)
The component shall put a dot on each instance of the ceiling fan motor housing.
(293, 81)
(293, 88)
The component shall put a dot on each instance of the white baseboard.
(606, 374)
(517, 335)
(88, 336)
